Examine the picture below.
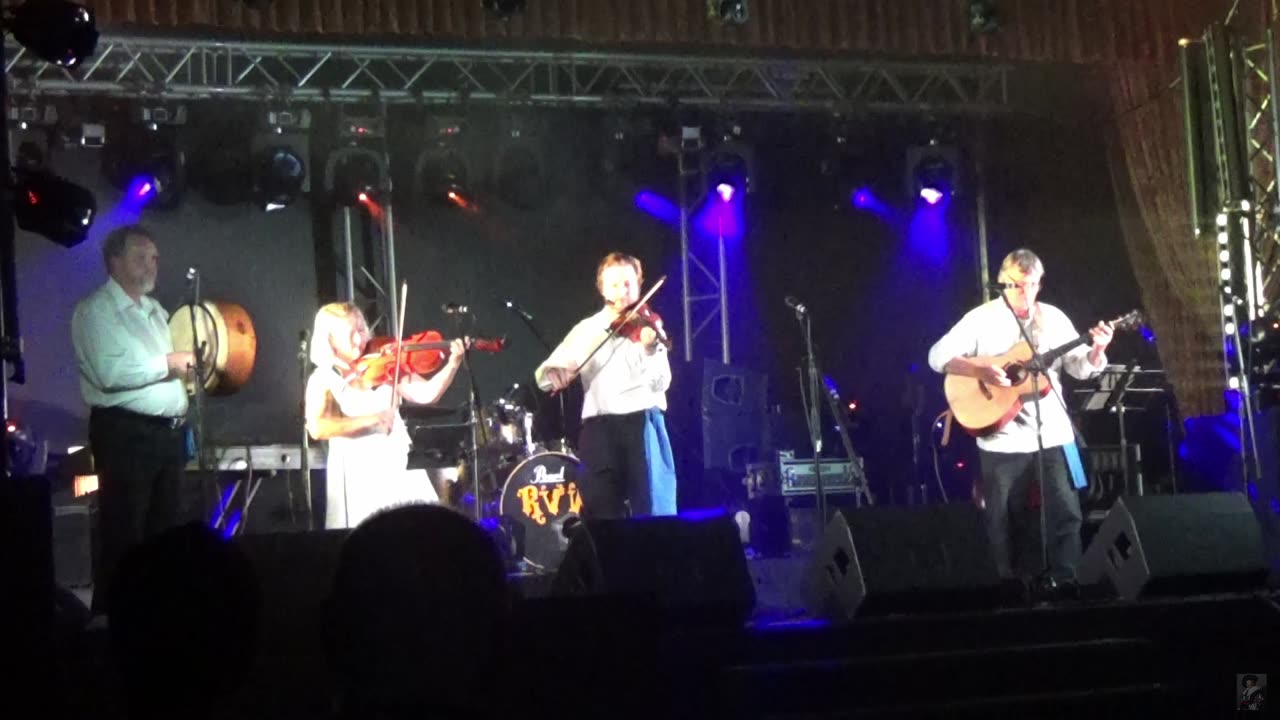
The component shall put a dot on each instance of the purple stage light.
(933, 196)
(725, 191)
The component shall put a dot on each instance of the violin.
(643, 317)
(422, 353)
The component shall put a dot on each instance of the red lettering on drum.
(552, 498)
(529, 504)
(575, 499)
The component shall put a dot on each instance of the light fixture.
(280, 162)
(932, 174)
(57, 31)
(146, 160)
(983, 16)
(355, 175)
(48, 205)
(519, 172)
(442, 174)
(735, 12)
(730, 165)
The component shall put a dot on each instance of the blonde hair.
(617, 258)
(334, 317)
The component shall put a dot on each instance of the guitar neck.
(1049, 358)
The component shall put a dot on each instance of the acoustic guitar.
(983, 409)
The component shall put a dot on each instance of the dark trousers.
(1013, 513)
(616, 468)
(141, 466)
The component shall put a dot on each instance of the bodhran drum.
(229, 344)
(541, 493)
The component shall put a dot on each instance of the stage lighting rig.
(48, 205)
(730, 166)
(147, 160)
(442, 174)
(519, 171)
(30, 128)
(281, 156)
(57, 31)
(358, 173)
(933, 172)
(983, 16)
(729, 12)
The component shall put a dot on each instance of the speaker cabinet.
(694, 570)
(882, 560)
(1176, 544)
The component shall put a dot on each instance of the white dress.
(368, 473)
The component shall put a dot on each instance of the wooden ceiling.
(1078, 31)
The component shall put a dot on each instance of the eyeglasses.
(1023, 286)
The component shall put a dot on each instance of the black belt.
(161, 421)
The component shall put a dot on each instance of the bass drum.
(226, 334)
(542, 493)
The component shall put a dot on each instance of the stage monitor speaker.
(881, 560)
(1176, 544)
(694, 570)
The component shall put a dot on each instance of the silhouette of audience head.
(419, 615)
(182, 615)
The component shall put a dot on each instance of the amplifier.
(798, 477)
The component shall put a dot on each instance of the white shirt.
(120, 351)
(622, 377)
(990, 329)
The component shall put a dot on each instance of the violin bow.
(399, 330)
(628, 317)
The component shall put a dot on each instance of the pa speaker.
(881, 560)
(1176, 544)
(693, 570)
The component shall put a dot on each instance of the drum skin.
(231, 345)
(540, 494)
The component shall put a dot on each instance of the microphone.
(519, 311)
(795, 304)
(454, 309)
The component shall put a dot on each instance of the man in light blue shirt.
(132, 380)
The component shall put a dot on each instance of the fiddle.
(421, 353)
(637, 318)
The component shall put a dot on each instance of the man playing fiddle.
(368, 454)
(623, 443)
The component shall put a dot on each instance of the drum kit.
(528, 487)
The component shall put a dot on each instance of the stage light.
(736, 12)
(279, 159)
(442, 175)
(56, 31)
(505, 8)
(147, 151)
(983, 16)
(731, 163)
(48, 205)
(355, 175)
(932, 172)
(725, 191)
(520, 176)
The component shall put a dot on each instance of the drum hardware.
(542, 495)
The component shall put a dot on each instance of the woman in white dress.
(368, 454)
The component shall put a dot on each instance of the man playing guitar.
(1008, 454)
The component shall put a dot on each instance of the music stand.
(1112, 400)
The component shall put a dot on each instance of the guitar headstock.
(1131, 320)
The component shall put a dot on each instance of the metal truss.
(700, 287)
(174, 68)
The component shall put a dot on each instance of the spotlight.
(730, 168)
(442, 174)
(735, 12)
(53, 207)
(148, 151)
(355, 175)
(983, 16)
(280, 169)
(505, 8)
(932, 172)
(520, 176)
(56, 31)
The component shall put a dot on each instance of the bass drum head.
(540, 494)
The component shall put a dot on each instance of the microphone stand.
(197, 348)
(304, 462)
(813, 413)
(473, 409)
(1036, 367)
(542, 340)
